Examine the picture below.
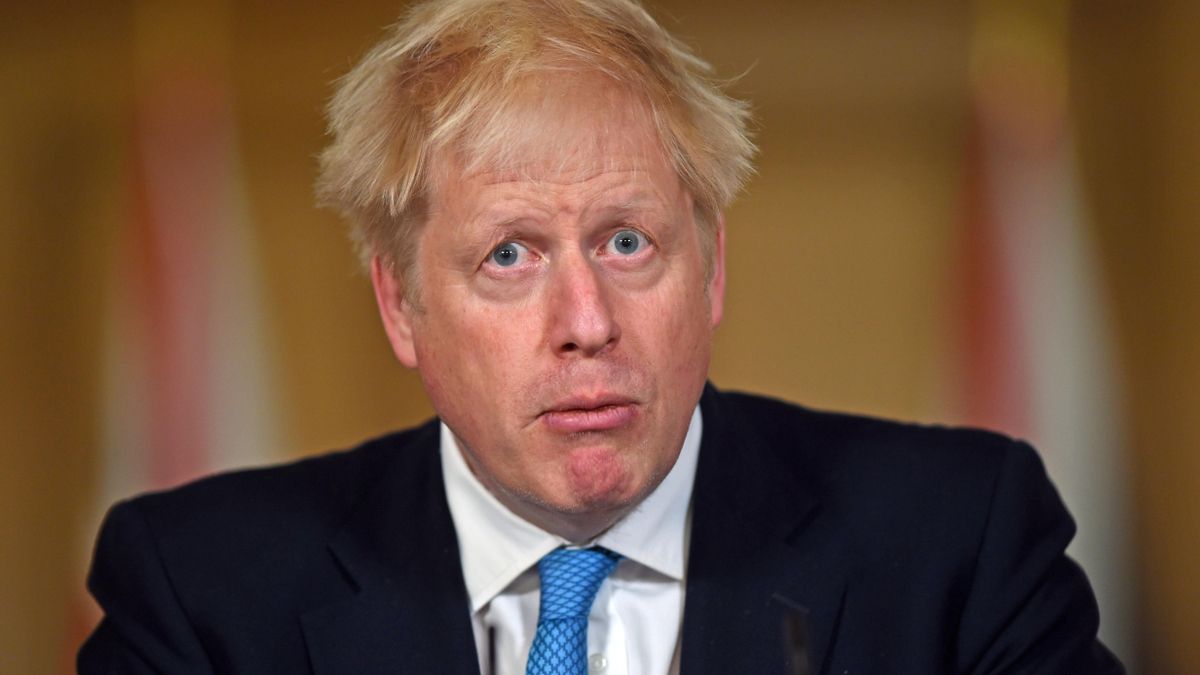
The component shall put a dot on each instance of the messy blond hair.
(447, 73)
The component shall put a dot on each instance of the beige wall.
(838, 262)
(1139, 113)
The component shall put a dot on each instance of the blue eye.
(627, 242)
(508, 254)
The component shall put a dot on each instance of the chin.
(599, 479)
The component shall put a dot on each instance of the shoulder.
(276, 507)
(889, 480)
(813, 440)
(215, 572)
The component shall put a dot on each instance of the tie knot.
(570, 579)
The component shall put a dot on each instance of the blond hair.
(446, 74)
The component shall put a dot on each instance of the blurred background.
(971, 213)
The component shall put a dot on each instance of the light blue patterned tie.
(570, 579)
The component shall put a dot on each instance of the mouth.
(596, 413)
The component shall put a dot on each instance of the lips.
(580, 414)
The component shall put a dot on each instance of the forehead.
(557, 128)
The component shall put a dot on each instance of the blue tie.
(570, 579)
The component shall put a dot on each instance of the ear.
(716, 285)
(395, 311)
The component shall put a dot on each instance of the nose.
(582, 321)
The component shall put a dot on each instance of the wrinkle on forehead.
(568, 128)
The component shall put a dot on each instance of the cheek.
(680, 318)
(501, 340)
(472, 356)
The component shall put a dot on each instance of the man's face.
(565, 319)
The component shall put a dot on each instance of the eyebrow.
(498, 217)
(504, 213)
(634, 207)
(636, 201)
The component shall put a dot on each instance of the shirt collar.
(496, 545)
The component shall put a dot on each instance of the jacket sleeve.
(1030, 608)
(144, 629)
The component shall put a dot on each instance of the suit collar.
(765, 577)
(405, 608)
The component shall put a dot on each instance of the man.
(536, 187)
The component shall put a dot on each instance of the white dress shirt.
(634, 625)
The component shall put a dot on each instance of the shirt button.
(597, 663)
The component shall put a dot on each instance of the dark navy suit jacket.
(820, 543)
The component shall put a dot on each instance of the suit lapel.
(405, 609)
(765, 579)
